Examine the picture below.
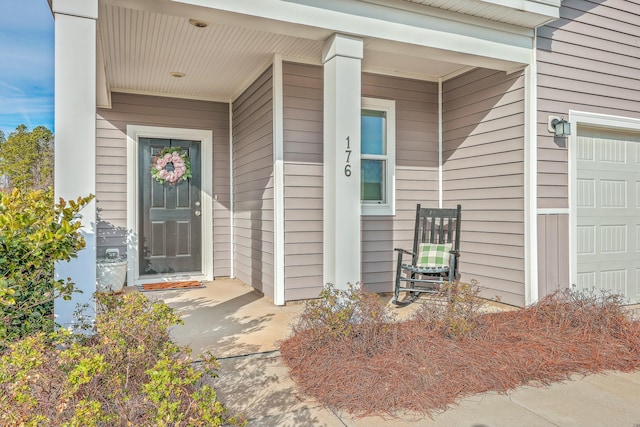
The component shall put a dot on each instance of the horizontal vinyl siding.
(111, 163)
(588, 60)
(553, 261)
(303, 171)
(253, 185)
(483, 164)
(416, 174)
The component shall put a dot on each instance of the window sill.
(370, 209)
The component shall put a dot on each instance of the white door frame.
(605, 121)
(134, 133)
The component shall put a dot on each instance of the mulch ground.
(412, 366)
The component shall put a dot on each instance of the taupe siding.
(416, 173)
(553, 262)
(416, 176)
(303, 152)
(253, 184)
(588, 60)
(483, 164)
(111, 163)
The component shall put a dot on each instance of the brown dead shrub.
(427, 363)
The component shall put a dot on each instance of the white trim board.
(134, 132)
(278, 182)
(232, 250)
(531, 184)
(553, 211)
(440, 144)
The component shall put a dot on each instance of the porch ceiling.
(142, 41)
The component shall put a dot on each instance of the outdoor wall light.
(198, 23)
(559, 126)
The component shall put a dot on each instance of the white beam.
(75, 129)
(78, 8)
(103, 92)
(470, 36)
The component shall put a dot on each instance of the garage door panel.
(615, 277)
(608, 212)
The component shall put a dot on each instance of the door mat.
(161, 286)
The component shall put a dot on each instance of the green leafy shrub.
(35, 235)
(129, 373)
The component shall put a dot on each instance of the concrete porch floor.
(242, 329)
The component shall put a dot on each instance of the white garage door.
(608, 212)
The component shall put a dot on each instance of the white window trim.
(389, 107)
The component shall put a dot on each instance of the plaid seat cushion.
(433, 256)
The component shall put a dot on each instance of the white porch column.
(75, 132)
(342, 57)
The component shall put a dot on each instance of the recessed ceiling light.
(177, 74)
(199, 23)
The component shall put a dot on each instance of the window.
(377, 156)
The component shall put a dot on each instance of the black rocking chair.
(434, 259)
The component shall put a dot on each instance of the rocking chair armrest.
(455, 252)
(403, 251)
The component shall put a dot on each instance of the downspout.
(440, 195)
(531, 178)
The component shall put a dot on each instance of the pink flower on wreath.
(180, 166)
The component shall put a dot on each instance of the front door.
(170, 214)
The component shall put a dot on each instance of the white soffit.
(141, 48)
(525, 13)
(142, 41)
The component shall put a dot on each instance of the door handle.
(197, 213)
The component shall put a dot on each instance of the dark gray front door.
(170, 215)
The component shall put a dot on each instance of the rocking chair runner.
(434, 259)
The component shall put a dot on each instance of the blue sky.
(26, 64)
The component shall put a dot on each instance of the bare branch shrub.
(452, 350)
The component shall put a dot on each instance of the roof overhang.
(142, 41)
(523, 13)
(388, 22)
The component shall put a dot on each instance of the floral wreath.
(171, 165)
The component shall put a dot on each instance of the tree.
(26, 159)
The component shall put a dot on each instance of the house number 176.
(347, 167)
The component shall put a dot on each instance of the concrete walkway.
(242, 329)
